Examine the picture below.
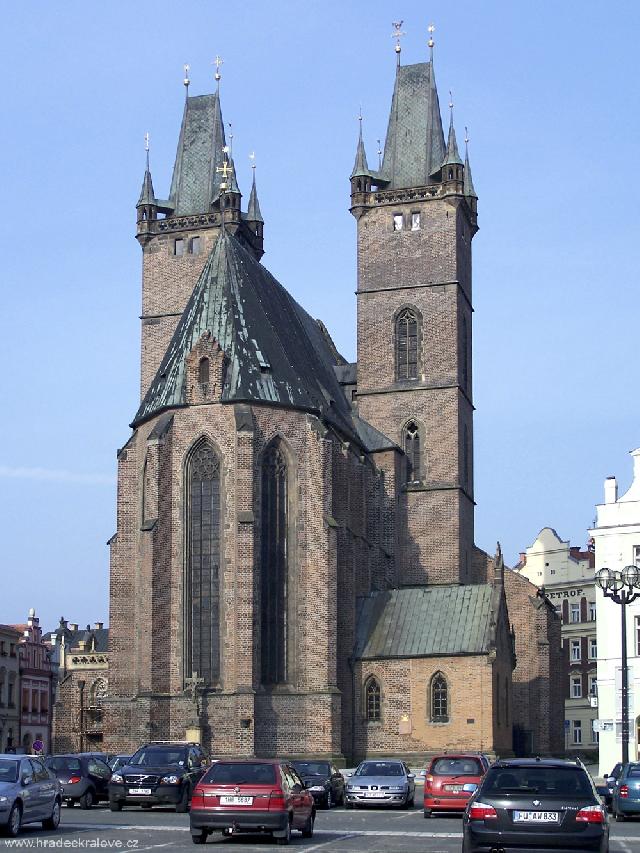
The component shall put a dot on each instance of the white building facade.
(617, 544)
(567, 575)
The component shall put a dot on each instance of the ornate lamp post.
(623, 588)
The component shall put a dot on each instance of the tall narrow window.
(195, 245)
(203, 585)
(411, 440)
(178, 248)
(203, 374)
(372, 701)
(397, 222)
(274, 575)
(407, 345)
(439, 699)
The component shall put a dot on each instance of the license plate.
(374, 794)
(535, 817)
(236, 801)
(455, 788)
(137, 791)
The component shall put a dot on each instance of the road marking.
(330, 841)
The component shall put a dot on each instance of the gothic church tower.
(416, 218)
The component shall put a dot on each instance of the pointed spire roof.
(196, 183)
(276, 353)
(147, 195)
(453, 155)
(414, 147)
(360, 167)
(233, 184)
(468, 188)
(253, 213)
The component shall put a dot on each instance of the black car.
(323, 780)
(536, 804)
(611, 780)
(160, 773)
(84, 778)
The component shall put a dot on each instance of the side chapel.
(295, 533)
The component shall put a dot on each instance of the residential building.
(9, 688)
(616, 534)
(36, 683)
(566, 575)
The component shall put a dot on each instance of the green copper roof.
(253, 213)
(275, 351)
(147, 196)
(452, 157)
(196, 183)
(414, 148)
(360, 167)
(468, 180)
(424, 621)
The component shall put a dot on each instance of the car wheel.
(428, 813)
(87, 799)
(199, 837)
(115, 806)
(286, 838)
(183, 805)
(15, 819)
(307, 830)
(53, 821)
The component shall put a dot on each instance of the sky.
(549, 93)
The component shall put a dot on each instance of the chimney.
(98, 626)
(523, 558)
(73, 626)
(610, 490)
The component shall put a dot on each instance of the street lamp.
(623, 588)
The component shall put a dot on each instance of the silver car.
(28, 793)
(381, 783)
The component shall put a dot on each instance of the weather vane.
(252, 157)
(146, 147)
(431, 28)
(218, 62)
(397, 35)
(186, 80)
(450, 99)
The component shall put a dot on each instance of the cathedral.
(294, 569)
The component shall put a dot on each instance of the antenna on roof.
(186, 80)
(431, 29)
(397, 35)
(218, 62)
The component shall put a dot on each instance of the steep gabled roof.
(275, 351)
(414, 147)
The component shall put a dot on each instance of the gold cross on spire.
(397, 35)
(186, 67)
(218, 62)
(252, 157)
(431, 29)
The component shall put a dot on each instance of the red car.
(251, 795)
(450, 780)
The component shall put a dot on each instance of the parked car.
(626, 793)
(118, 761)
(250, 796)
(535, 804)
(450, 780)
(381, 783)
(323, 780)
(160, 773)
(84, 778)
(610, 782)
(28, 793)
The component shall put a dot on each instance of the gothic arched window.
(274, 567)
(411, 446)
(439, 699)
(203, 373)
(407, 331)
(203, 564)
(372, 701)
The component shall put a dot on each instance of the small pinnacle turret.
(452, 157)
(360, 167)
(253, 212)
(469, 190)
(147, 195)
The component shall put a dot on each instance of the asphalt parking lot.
(373, 830)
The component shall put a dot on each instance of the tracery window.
(275, 568)
(411, 443)
(439, 699)
(407, 330)
(203, 566)
(372, 701)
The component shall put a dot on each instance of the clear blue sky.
(550, 94)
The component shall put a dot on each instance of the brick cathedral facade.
(293, 530)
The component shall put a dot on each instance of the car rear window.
(457, 767)
(241, 773)
(63, 763)
(312, 768)
(8, 770)
(379, 768)
(634, 772)
(550, 781)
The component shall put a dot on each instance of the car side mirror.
(411, 776)
(26, 780)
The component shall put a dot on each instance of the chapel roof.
(424, 621)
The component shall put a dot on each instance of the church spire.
(147, 206)
(452, 157)
(469, 190)
(253, 212)
(360, 167)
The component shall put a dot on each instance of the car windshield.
(379, 768)
(63, 762)
(550, 781)
(312, 768)
(241, 773)
(456, 767)
(120, 761)
(8, 770)
(159, 757)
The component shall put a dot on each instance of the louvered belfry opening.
(274, 567)
(203, 568)
(407, 345)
